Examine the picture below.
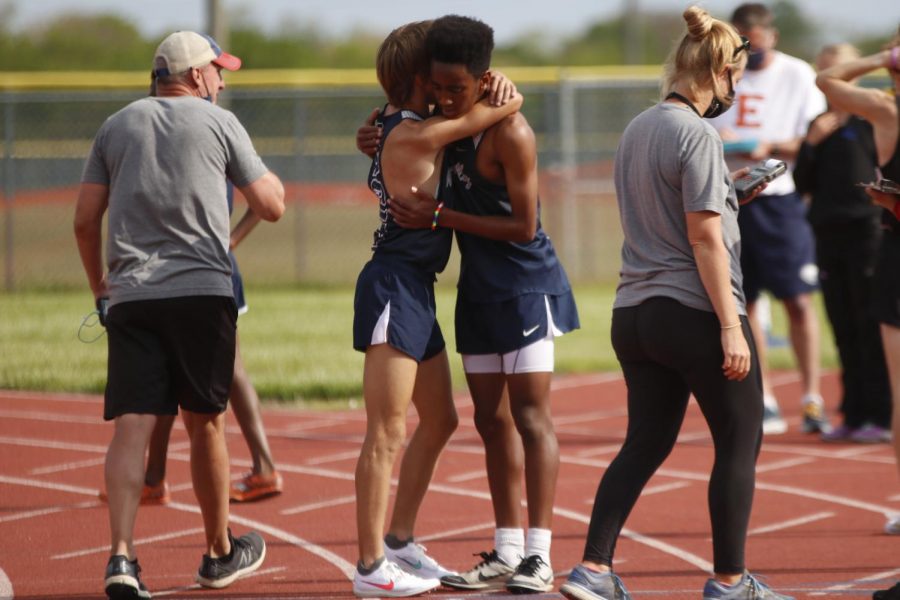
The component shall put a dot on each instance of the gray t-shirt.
(670, 162)
(165, 161)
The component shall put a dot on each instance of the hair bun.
(699, 22)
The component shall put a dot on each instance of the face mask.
(755, 60)
(719, 106)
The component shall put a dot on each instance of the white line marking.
(585, 417)
(52, 444)
(461, 477)
(578, 381)
(894, 498)
(783, 464)
(50, 417)
(197, 586)
(663, 487)
(336, 457)
(846, 586)
(6, 587)
(47, 511)
(684, 555)
(138, 542)
(88, 462)
(452, 532)
(791, 523)
(47, 485)
(317, 505)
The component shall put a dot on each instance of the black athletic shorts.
(169, 353)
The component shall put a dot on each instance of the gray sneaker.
(748, 588)
(491, 573)
(584, 584)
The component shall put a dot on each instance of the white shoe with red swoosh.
(390, 581)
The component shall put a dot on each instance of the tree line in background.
(108, 42)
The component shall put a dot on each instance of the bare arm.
(265, 196)
(93, 200)
(870, 104)
(516, 154)
(705, 236)
(243, 228)
(435, 133)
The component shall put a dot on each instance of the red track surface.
(816, 529)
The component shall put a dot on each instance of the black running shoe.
(247, 554)
(123, 579)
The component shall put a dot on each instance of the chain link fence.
(307, 136)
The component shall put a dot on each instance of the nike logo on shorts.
(527, 332)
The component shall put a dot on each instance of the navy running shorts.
(237, 284)
(886, 281)
(170, 353)
(777, 247)
(394, 304)
(501, 327)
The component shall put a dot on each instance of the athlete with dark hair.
(513, 299)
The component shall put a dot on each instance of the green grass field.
(296, 342)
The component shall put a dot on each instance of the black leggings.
(668, 351)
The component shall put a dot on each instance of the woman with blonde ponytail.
(679, 323)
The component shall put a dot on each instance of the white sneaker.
(773, 422)
(413, 559)
(532, 576)
(892, 527)
(390, 581)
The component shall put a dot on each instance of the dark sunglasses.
(744, 47)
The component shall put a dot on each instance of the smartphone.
(882, 185)
(760, 173)
(102, 309)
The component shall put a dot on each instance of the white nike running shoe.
(414, 559)
(390, 581)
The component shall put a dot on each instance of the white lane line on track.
(138, 542)
(784, 489)
(688, 557)
(453, 532)
(336, 457)
(783, 464)
(50, 417)
(49, 485)
(655, 489)
(894, 498)
(852, 584)
(463, 477)
(52, 396)
(6, 587)
(317, 505)
(47, 511)
(52, 444)
(80, 464)
(197, 586)
(792, 523)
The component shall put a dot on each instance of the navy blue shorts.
(501, 327)
(169, 353)
(237, 283)
(886, 299)
(778, 251)
(394, 304)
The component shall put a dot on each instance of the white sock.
(770, 401)
(510, 544)
(538, 542)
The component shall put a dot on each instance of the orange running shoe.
(252, 487)
(151, 495)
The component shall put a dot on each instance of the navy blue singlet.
(493, 270)
(423, 249)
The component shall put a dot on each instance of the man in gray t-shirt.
(159, 165)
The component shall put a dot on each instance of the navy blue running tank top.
(494, 270)
(423, 249)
